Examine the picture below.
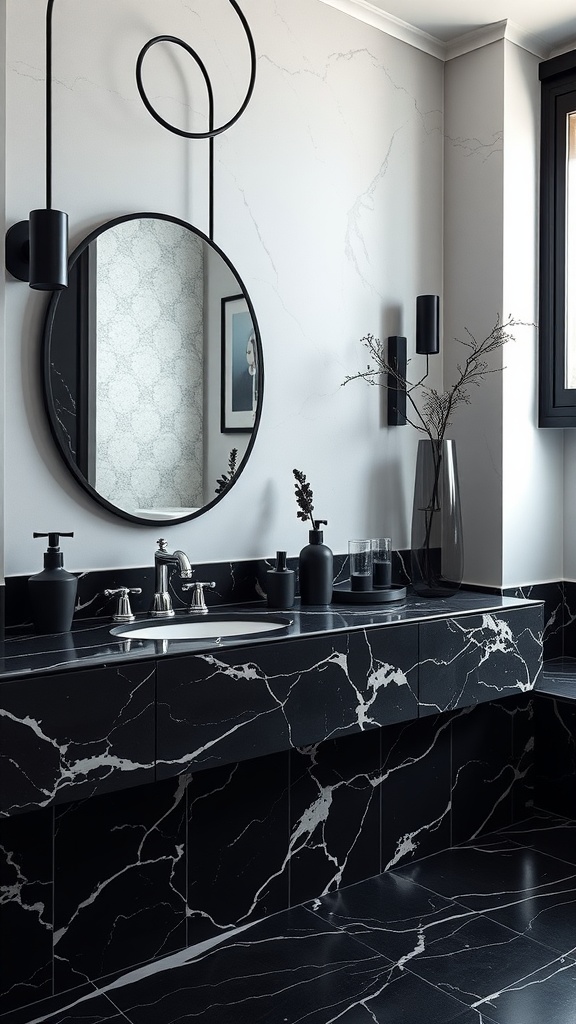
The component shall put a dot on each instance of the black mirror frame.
(556, 403)
(48, 397)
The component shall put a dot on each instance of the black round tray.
(343, 593)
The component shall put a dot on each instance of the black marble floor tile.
(549, 834)
(480, 873)
(391, 914)
(479, 934)
(519, 887)
(306, 973)
(460, 950)
(547, 996)
(291, 967)
(479, 958)
(407, 999)
(83, 1006)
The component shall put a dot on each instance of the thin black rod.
(49, 9)
(211, 165)
(211, 190)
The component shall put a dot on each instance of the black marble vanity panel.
(75, 735)
(488, 766)
(335, 815)
(217, 708)
(556, 612)
(478, 658)
(555, 755)
(414, 784)
(523, 725)
(26, 910)
(237, 845)
(119, 881)
(569, 635)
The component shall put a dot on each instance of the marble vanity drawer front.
(75, 735)
(478, 658)
(217, 708)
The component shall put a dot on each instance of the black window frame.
(556, 403)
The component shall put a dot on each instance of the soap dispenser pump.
(53, 591)
(316, 565)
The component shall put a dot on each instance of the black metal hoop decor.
(212, 131)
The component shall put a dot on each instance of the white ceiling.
(551, 21)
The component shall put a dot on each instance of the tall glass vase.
(437, 556)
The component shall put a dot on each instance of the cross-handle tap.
(198, 604)
(162, 603)
(123, 611)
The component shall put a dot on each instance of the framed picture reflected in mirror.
(239, 366)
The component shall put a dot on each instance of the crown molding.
(493, 33)
(364, 11)
(565, 48)
(372, 15)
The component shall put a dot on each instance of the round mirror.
(152, 368)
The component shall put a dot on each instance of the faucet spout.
(179, 558)
(162, 604)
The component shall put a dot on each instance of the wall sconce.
(427, 344)
(37, 249)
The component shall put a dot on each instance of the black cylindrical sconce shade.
(427, 324)
(48, 250)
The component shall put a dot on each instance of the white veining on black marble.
(62, 759)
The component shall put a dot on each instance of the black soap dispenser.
(280, 583)
(316, 565)
(52, 592)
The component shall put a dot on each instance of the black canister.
(280, 583)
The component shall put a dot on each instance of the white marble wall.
(328, 202)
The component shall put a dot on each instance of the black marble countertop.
(90, 642)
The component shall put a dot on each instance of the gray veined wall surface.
(328, 203)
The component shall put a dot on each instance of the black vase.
(437, 553)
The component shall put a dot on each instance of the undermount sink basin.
(202, 628)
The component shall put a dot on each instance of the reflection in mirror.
(152, 369)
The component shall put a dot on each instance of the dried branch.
(226, 478)
(434, 411)
(304, 497)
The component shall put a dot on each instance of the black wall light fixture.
(37, 249)
(427, 344)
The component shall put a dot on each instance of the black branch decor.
(304, 497)
(432, 410)
(222, 482)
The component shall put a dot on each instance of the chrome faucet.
(162, 604)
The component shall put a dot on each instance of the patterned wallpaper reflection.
(149, 373)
